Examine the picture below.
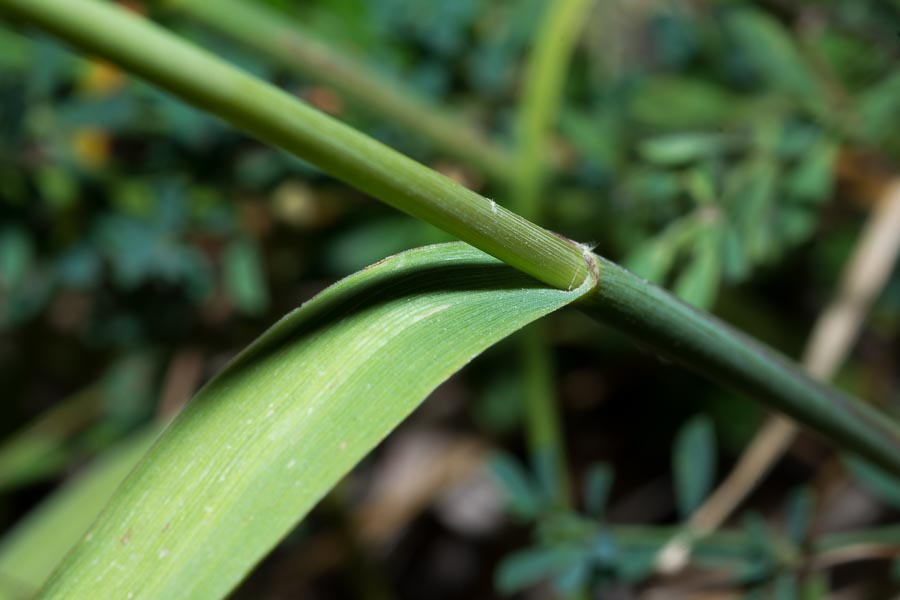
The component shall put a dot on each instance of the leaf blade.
(260, 444)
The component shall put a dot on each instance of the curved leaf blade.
(270, 435)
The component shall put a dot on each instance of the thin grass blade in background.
(30, 552)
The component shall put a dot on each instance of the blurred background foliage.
(726, 150)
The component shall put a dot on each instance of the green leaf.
(735, 263)
(674, 102)
(676, 149)
(752, 189)
(527, 567)
(29, 553)
(762, 545)
(244, 278)
(698, 284)
(771, 49)
(700, 184)
(878, 107)
(16, 256)
(636, 566)
(654, 258)
(598, 135)
(266, 439)
(573, 580)
(795, 224)
(522, 494)
(813, 178)
(785, 587)
(694, 463)
(597, 486)
(815, 587)
(15, 52)
(799, 514)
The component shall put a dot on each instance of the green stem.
(542, 95)
(545, 77)
(286, 42)
(702, 343)
(542, 416)
(620, 298)
(280, 119)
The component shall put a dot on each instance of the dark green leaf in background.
(694, 463)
